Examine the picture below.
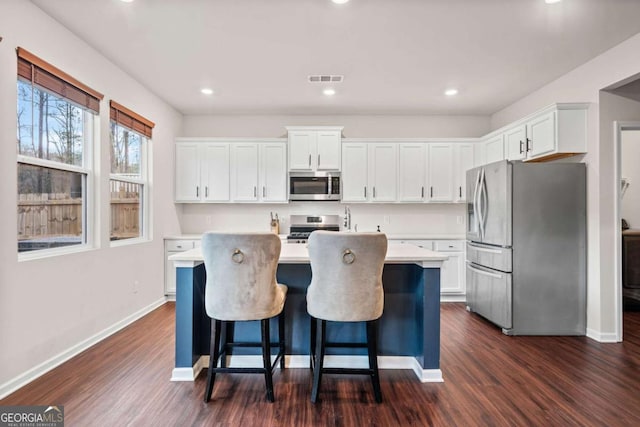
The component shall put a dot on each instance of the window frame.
(143, 181)
(90, 135)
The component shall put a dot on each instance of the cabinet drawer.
(180, 245)
(449, 245)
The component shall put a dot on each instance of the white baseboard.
(41, 369)
(301, 361)
(607, 337)
(453, 298)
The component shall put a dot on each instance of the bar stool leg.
(312, 342)
(214, 354)
(319, 359)
(372, 349)
(266, 358)
(281, 321)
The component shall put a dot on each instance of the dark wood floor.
(490, 380)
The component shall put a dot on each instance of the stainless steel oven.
(314, 186)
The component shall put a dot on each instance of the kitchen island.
(409, 329)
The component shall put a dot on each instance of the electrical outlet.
(387, 219)
(459, 219)
(209, 219)
(136, 284)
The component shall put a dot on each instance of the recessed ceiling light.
(206, 91)
(329, 91)
(451, 92)
(552, 1)
(339, 1)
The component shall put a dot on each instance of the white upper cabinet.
(354, 172)
(314, 148)
(463, 155)
(369, 172)
(440, 171)
(494, 149)
(515, 140)
(383, 172)
(541, 135)
(187, 182)
(412, 172)
(244, 172)
(202, 172)
(258, 172)
(273, 172)
(557, 131)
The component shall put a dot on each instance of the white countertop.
(397, 253)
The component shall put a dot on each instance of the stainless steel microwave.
(314, 186)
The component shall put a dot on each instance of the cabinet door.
(302, 150)
(515, 141)
(328, 145)
(541, 132)
(187, 178)
(494, 149)
(383, 172)
(412, 172)
(354, 172)
(244, 172)
(451, 274)
(215, 173)
(463, 155)
(440, 172)
(273, 172)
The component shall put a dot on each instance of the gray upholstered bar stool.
(241, 286)
(346, 286)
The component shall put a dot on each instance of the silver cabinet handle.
(255, 191)
(422, 192)
(529, 145)
(206, 191)
(431, 192)
(365, 192)
(460, 192)
(309, 160)
(264, 191)
(374, 192)
(521, 146)
(197, 191)
(318, 160)
(485, 273)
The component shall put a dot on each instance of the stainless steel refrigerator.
(526, 246)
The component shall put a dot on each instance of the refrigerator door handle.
(481, 196)
(483, 249)
(485, 273)
(475, 201)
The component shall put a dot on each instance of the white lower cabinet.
(452, 277)
(174, 246)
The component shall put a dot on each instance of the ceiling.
(397, 57)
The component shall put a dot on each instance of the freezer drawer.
(490, 294)
(493, 257)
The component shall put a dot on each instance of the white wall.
(47, 306)
(355, 126)
(630, 205)
(583, 85)
(393, 219)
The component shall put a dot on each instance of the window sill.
(128, 242)
(49, 253)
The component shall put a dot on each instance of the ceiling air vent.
(325, 78)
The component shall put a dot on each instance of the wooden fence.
(47, 215)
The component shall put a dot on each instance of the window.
(55, 118)
(128, 182)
